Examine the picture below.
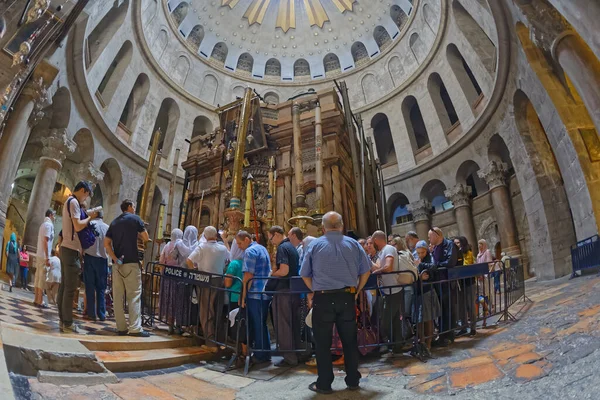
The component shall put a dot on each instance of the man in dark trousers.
(286, 306)
(335, 268)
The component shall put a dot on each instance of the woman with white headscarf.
(234, 269)
(186, 307)
(168, 287)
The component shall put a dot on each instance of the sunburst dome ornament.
(286, 13)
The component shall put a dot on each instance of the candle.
(248, 201)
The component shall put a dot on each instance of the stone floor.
(551, 352)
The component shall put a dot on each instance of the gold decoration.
(256, 11)
(38, 9)
(229, 3)
(592, 143)
(21, 55)
(344, 5)
(286, 17)
(316, 12)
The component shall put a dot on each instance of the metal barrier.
(585, 254)
(192, 301)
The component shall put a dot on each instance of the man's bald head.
(333, 221)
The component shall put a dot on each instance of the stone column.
(57, 146)
(421, 212)
(495, 176)
(556, 37)
(26, 113)
(298, 173)
(337, 189)
(287, 198)
(461, 198)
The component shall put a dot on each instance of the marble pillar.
(300, 200)
(57, 146)
(463, 213)
(421, 212)
(287, 199)
(337, 189)
(495, 176)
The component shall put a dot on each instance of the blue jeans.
(95, 274)
(259, 339)
(24, 271)
(496, 275)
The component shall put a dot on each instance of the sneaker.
(284, 364)
(122, 333)
(88, 318)
(140, 334)
(311, 363)
(73, 329)
(210, 349)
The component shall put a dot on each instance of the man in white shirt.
(392, 297)
(70, 251)
(95, 272)
(44, 249)
(209, 257)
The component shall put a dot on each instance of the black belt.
(351, 290)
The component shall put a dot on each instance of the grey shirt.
(97, 249)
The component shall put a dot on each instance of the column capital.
(87, 171)
(460, 195)
(547, 25)
(420, 210)
(57, 145)
(494, 174)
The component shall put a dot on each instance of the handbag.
(366, 334)
(406, 263)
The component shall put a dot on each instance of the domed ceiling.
(289, 40)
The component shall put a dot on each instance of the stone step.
(126, 343)
(142, 360)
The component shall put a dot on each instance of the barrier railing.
(403, 317)
(585, 254)
(195, 302)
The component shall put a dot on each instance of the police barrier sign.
(187, 275)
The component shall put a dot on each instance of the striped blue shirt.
(258, 263)
(334, 261)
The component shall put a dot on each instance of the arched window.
(467, 175)
(498, 151)
(301, 68)
(273, 68)
(219, 53)
(399, 17)
(442, 102)
(245, 64)
(195, 37)
(382, 37)
(434, 192)
(114, 74)
(398, 210)
(271, 98)
(415, 124)
(359, 53)
(384, 142)
(476, 36)
(167, 121)
(417, 47)
(135, 102)
(102, 34)
(179, 13)
(331, 62)
(464, 75)
(202, 126)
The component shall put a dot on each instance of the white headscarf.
(188, 243)
(236, 253)
(176, 234)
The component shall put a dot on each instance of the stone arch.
(382, 37)
(396, 69)
(135, 102)
(85, 147)
(467, 175)
(167, 121)
(463, 73)
(238, 92)
(202, 126)
(498, 151)
(547, 176)
(181, 69)
(301, 68)
(434, 192)
(271, 98)
(210, 86)
(61, 109)
(384, 142)
(442, 102)
(370, 87)
(417, 131)
(397, 209)
(219, 53)
(331, 63)
(273, 68)
(417, 47)
(103, 33)
(429, 17)
(180, 12)
(195, 37)
(114, 74)
(245, 64)
(360, 55)
(476, 36)
(113, 178)
(160, 44)
(399, 16)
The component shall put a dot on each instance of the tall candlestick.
(248, 207)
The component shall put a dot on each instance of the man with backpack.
(74, 227)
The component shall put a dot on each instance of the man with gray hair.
(209, 257)
(335, 268)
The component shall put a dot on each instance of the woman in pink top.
(484, 255)
(24, 266)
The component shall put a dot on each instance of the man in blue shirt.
(256, 267)
(335, 268)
